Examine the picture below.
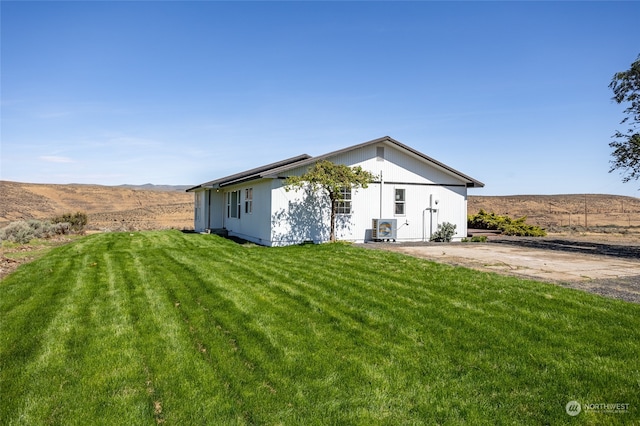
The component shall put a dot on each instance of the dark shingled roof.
(256, 173)
(274, 169)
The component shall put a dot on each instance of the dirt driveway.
(611, 270)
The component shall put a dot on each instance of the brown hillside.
(108, 208)
(126, 208)
(563, 210)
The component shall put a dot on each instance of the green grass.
(182, 329)
(35, 249)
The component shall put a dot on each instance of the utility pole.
(585, 212)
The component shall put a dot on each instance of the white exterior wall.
(199, 211)
(208, 211)
(418, 223)
(297, 216)
(254, 226)
(399, 170)
(296, 220)
(282, 218)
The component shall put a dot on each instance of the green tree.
(331, 179)
(626, 146)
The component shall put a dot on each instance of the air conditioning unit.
(384, 229)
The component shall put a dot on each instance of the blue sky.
(514, 94)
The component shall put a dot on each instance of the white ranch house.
(412, 194)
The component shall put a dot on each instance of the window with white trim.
(248, 200)
(399, 209)
(233, 204)
(344, 205)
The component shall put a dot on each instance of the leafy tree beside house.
(331, 179)
(626, 146)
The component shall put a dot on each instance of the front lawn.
(181, 329)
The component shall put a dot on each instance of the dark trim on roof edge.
(272, 170)
(250, 174)
(472, 183)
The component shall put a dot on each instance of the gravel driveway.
(607, 269)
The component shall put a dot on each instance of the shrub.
(62, 228)
(24, 231)
(475, 239)
(17, 232)
(444, 233)
(77, 221)
(508, 226)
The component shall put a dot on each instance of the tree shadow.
(306, 220)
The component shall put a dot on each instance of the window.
(248, 200)
(380, 153)
(233, 204)
(399, 202)
(344, 205)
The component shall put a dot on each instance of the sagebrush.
(445, 232)
(77, 220)
(23, 231)
(508, 226)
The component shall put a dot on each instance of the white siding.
(396, 166)
(199, 213)
(418, 223)
(254, 226)
(282, 218)
(419, 180)
(297, 216)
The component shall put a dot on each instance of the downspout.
(430, 216)
(431, 210)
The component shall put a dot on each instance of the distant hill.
(108, 207)
(563, 209)
(152, 187)
(168, 206)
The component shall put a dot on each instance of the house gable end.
(346, 156)
(366, 155)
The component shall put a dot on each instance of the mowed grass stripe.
(189, 329)
(44, 338)
(243, 256)
(216, 329)
(103, 355)
(177, 371)
(475, 325)
(25, 311)
(298, 360)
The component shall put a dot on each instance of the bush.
(24, 231)
(508, 226)
(77, 221)
(62, 228)
(445, 232)
(476, 239)
(17, 232)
